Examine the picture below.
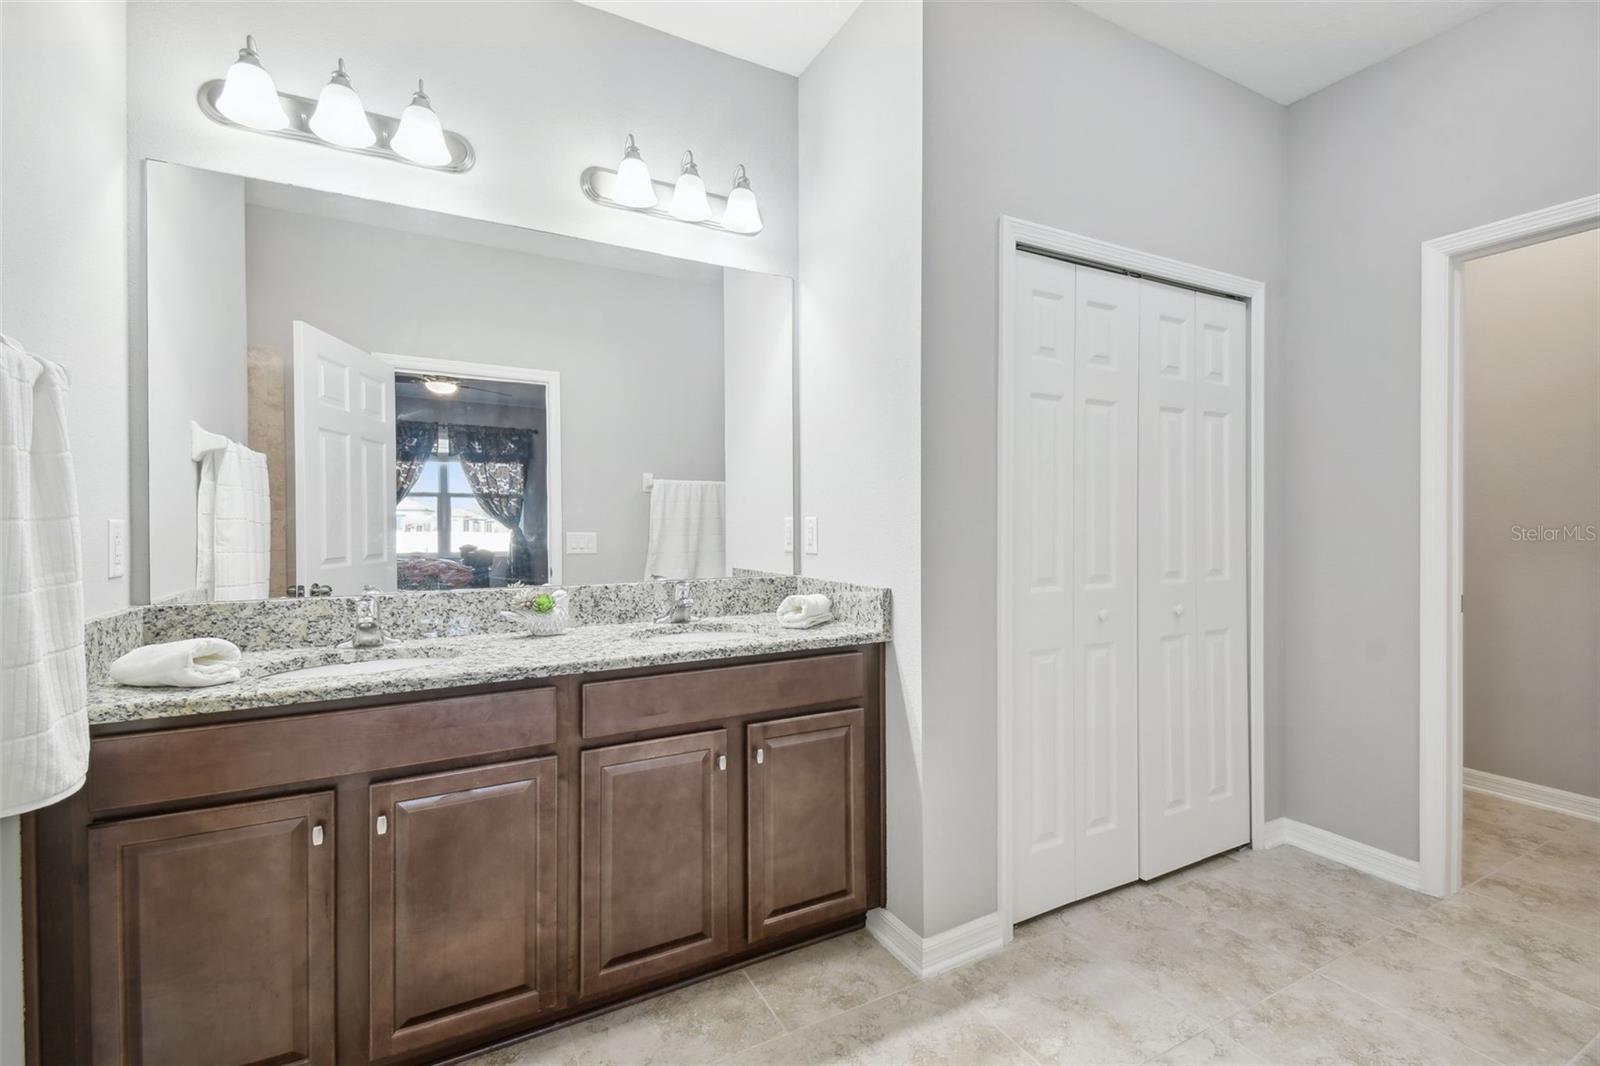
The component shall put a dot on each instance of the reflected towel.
(44, 720)
(233, 533)
(192, 663)
(686, 530)
(803, 612)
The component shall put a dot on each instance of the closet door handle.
(1102, 614)
(1177, 610)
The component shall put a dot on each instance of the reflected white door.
(1193, 692)
(1075, 692)
(344, 475)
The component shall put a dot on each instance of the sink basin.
(368, 666)
(700, 636)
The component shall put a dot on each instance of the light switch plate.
(116, 547)
(583, 543)
(811, 534)
(788, 533)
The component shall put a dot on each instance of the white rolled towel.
(180, 663)
(803, 612)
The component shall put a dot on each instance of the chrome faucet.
(369, 620)
(682, 609)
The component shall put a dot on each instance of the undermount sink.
(702, 635)
(360, 669)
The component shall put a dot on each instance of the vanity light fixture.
(339, 118)
(248, 95)
(441, 386)
(630, 188)
(634, 187)
(742, 215)
(247, 99)
(420, 137)
(689, 195)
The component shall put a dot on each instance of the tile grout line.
(783, 1028)
(820, 1021)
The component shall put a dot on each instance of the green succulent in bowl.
(543, 603)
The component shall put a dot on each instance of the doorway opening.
(1521, 466)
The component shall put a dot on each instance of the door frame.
(1441, 520)
(551, 380)
(1018, 234)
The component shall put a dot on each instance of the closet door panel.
(1105, 573)
(1193, 721)
(1166, 572)
(1044, 810)
(1221, 591)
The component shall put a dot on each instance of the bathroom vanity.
(408, 865)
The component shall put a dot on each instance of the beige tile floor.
(1254, 957)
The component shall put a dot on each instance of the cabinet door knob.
(761, 756)
(722, 762)
(1102, 614)
(383, 824)
(1177, 610)
(316, 835)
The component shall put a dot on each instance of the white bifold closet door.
(1194, 743)
(1075, 667)
(1128, 671)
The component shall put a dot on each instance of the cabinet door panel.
(655, 869)
(807, 811)
(463, 907)
(211, 935)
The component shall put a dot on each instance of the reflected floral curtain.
(496, 464)
(413, 444)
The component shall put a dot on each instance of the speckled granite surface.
(464, 640)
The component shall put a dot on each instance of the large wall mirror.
(343, 392)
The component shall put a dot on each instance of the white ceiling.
(784, 35)
(1286, 50)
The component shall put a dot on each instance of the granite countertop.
(484, 658)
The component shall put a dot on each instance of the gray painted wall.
(860, 311)
(1531, 349)
(1497, 117)
(640, 355)
(1046, 112)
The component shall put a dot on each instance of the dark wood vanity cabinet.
(211, 935)
(807, 820)
(409, 881)
(654, 862)
(462, 903)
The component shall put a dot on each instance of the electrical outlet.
(583, 543)
(788, 534)
(116, 547)
(811, 534)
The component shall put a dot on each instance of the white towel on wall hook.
(44, 721)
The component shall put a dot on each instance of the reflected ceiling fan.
(446, 387)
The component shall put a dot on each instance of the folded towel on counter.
(181, 663)
(803, 612)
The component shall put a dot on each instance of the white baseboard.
(1352, 853)
(926, 956)
(1271, 834)
(1574, 803)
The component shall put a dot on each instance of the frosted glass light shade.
(248, 95)
(634, 188)
(742, 215)
(689, 196)
(420, 137)
(340, 118)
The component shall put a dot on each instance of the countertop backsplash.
(268, 625)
